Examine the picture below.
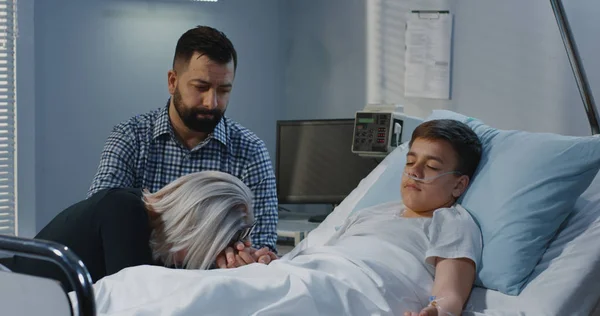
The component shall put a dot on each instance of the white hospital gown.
(377, 263)
(402, 251)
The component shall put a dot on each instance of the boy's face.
(425, 160)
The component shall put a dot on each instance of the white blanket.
(303, 287)
(375, 265)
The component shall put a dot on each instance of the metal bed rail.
(576, 65)
(71, 265)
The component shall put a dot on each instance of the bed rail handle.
(67, 260)
(576, 65)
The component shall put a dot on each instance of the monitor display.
(315, 164)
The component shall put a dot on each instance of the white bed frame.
(16, 289)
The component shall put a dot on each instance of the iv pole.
(576, 65)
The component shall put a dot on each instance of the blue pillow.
(524, 188)
(387, 187)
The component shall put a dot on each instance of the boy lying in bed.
(442, 159)
(418, 257)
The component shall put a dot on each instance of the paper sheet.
(428, 52)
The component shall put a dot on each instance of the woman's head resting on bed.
(196, 216)
(442, 158)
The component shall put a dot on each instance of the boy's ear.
(461, 186)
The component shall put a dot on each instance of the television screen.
(315, 164)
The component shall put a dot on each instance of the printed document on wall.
(428, 51)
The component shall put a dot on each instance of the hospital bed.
(566, 281)
(28, 295)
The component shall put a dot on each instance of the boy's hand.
(242, 254)
(263, 255)
(427, 311)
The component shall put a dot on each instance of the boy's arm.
(452, 286)
(453, 283)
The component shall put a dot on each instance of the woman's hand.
(427, 311)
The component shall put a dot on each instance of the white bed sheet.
(326, 281)
(4, 268)
(565, 281)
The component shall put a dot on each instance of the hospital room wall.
(324, 64)
(26, 160)
(509, 67)
(99, 62)
(325, 59)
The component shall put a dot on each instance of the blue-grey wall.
(325, 59)
(325, 64)
(26, 108)
(98, 63)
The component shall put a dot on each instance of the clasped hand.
(242, 254)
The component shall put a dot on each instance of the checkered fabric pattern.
(143, 152)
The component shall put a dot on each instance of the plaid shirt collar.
(162, 126)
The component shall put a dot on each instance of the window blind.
(8, 207)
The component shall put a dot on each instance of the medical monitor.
(315, 163)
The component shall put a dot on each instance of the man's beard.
(190, 118)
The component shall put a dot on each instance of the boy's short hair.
(461, 137)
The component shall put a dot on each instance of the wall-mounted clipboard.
(428, 42)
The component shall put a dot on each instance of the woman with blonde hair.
(185, 224)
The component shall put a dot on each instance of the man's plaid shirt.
(143, 152)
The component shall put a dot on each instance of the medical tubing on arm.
(434, 302)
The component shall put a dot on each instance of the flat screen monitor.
(315, 164)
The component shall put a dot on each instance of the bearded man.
(191, 134)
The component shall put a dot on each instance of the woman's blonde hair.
(199, 213)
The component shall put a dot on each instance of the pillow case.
(387, 187)
(524, 188)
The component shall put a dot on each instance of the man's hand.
(242, 254)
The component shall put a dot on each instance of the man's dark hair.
(206, 41)
(461, 137)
